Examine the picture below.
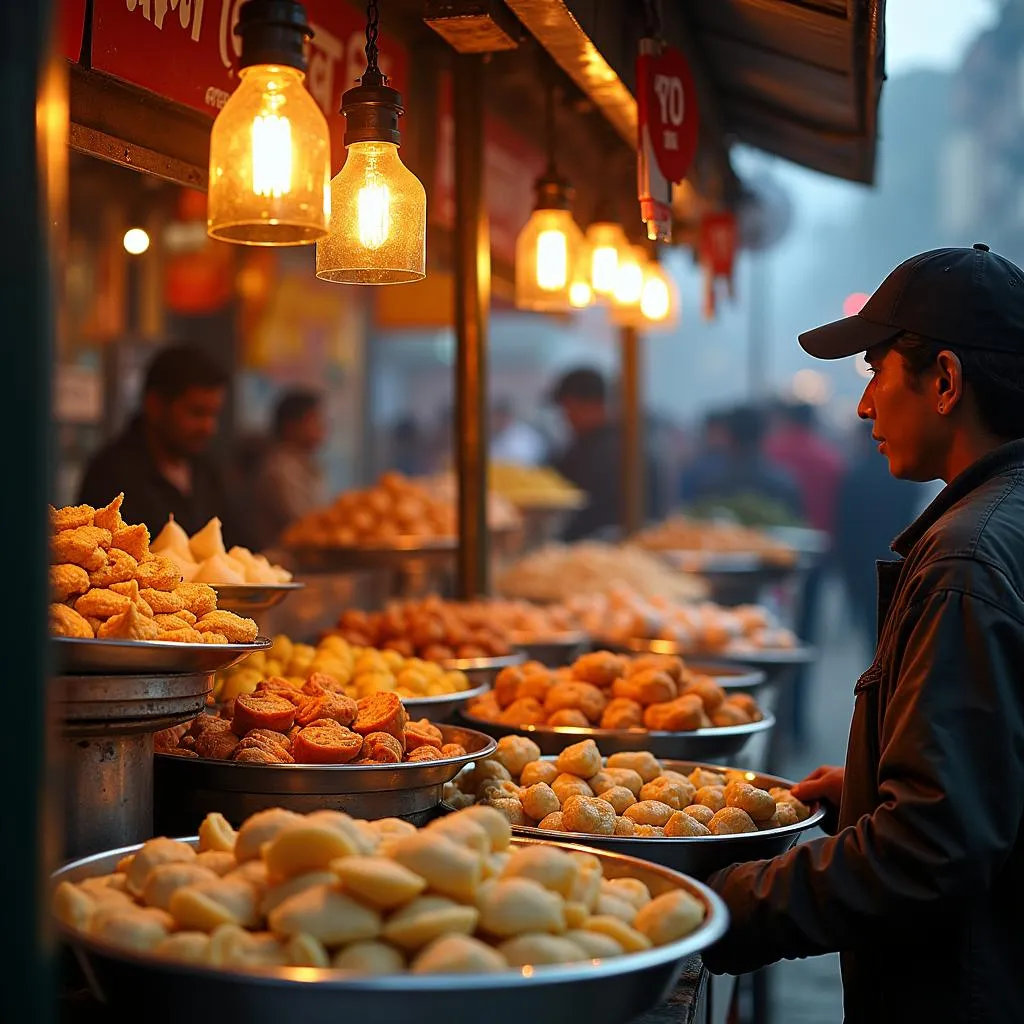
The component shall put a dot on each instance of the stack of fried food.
(715, 537)
(611, 691)
(371, 898)
(432, 629)
(319, 724)
(106, 583)
(628, 794)
(394, 510)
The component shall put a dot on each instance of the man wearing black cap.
(593, 460)
(921, 886)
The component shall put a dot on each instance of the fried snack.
(683, 714)
(198, 598)
(582, 759)
(326, 742)
(539, 800)
(72, 517)
(552, 822)
(601, 668)
(527, 711)
(730, 821)
(214, 638)
(746, 704)
(710, 693)
(382, 747)
(448, 868)
(109, 517)
(569, 718)
(756, 802)
(538, 771)
(326, 914)
(163, 602)
(65, 621)
(701, 777)
(711, 796)
(134, 540)
(622, 713)
(649, 686)
(118, 568)
(785, 796)
(682, 825)
(381, 712)
(677, 793)
(102, 603)
(328, 705)
(618, 797)
(536, 685)
(540, 949)
(453, 750)
(262, 711)
(516, 905)
(458, 954)
(729, 715)
(588, 814)
(666, 663)
(228, 624)
(422, 734)
(276, 753)
(67, 581)
(426, 918)
(217, 744)
(645, 764)
(506, 685)
(669, 917)
(628, 937)
(83, 546)
(649, 812)
(131, 624)
(515, 753)
(785, 814)
(184, 635)
(567, 785)
(582, 696)
(699, 812)
(609, 777)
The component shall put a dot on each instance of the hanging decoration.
(717, 249)
(378, 232)
(270, 149)
(550, 246)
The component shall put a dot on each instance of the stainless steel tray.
(553, 651)
(698, 856)
(78, 656)
(188, 788)
(701, 744)
(483, 671)
(439, 708)
(598, 991)
(307, 558)
(766, 657)
(248, 598)
(730, 677)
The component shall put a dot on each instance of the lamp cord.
(549, 124)
(372, 75)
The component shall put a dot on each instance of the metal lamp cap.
(553, 192)
(371, 114)
(273, 32)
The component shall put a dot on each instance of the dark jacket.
(125, 464)
(922, 887)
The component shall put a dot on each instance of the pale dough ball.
(677, 794)
(670, 917)
(448, 868)
(427, 918)
(458, 954)
(327, 915)
(567, 785)
(539, 771)
(153, 853)
(581, 759)
(644, 763)
(539, 801)
(682, 826)
(378, 881)
(649, 812)
(369, 957)
(538, 950)
(554, 869)
(515, 753)
(588, 814)
(619, 797)
(515, 906)
(632, 890)
(731, 821)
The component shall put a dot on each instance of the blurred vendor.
(593, 459)
(290, 482)
(160, 460)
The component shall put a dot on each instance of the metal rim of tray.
(94, 656)
(716, 922)
(484, 664)
(730, 676)
(560, 638)
(455, 697)
(253, 597)
(800, 655)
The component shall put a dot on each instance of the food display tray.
(188, 788)
(80, 656)
(553, 651)
(483, 671)
(613, 991)
(732, 678)
(763, 658)
(699, 856)
(251, 598)
(307, 558)
(440, 708)
(700, 744)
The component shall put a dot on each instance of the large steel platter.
(700, 744)
(440, 708)
(611, 991)
(553, 651)
(250, 598)
(79, 656)
(698, 856)
(755, 658)
(483, 671)
(730, 677)
(188, 788)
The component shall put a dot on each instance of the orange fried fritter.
(158, 572)
(109, 517)
(119, 568)
(134, 540)
(163, 602)
(65, 621)
(81, 546)
(67, 581)
(131, 624)
(234, 627)
(198, 597)
(71, 517)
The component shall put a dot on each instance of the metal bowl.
(250, 598)
(80, 656)
(700, 744)
(599, 991)
(483, 671)
(439, 708)
(731, 678)
(553, 651)
(699, 856)
(308, 558)
(188, 788)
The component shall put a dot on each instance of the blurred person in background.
(744, 470)
(513, 440)
(407, 448)
(160, 460)
(710, 458)
(593, 459)
(872, 508)
(290, 481)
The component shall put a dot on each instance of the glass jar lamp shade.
(657, 298)
(378, 231)
(629, 278)
(270, 154)
(547, 253)
(606, 242)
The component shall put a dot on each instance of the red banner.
(719, 238)
(186, 51)
(70, 28)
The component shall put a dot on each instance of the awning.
(798, 78)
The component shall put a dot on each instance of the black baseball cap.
(583, 384)
(965, 298)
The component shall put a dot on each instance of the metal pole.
(758, 327)
(472, 302)
(33, 177)
(633, 482)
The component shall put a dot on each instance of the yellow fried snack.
(214, 638)
(133, 539)
(109, 517)
(163, 602)
(198, 597)
(67, 580)
(65, 621)
(234, 627)
(158, 572)
(72, 517)
(130, 589)
(119, 568)
(184, 635)
(669, 917)
(80, 546)
(102, 603)
(131, 624)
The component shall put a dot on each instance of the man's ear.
(949, 381)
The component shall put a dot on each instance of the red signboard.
(667, 109)
(70, 27)
(186, 51)
(719, 237)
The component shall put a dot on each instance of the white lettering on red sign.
(671, 99)
(190, 13)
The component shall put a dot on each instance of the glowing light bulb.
(580, 294)
(136, 241)
(607, 244)
(552, 260)
(271, 155)
(373, 210)
(655, 299)
(629, 281)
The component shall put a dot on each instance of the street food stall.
(392, 809)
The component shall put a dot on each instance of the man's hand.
(824, 783)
